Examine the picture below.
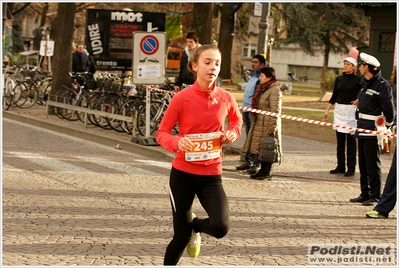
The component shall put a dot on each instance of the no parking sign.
(149, 44)
(149, 57)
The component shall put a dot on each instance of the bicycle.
(157, 111)
(8, 86)
(26, 92)
(19, 87)
(72, 95)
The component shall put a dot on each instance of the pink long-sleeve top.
(198, 111)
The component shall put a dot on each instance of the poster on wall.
(109, 35)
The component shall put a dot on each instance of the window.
(249, 50)
(386, 41)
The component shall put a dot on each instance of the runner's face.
(208, 66)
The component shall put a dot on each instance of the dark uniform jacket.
(375, 99)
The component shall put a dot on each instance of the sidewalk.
(113, 210)
(302, 159)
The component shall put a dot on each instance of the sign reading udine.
(109, 35)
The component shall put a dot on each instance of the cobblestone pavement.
(67, 201)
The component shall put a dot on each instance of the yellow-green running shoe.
(194, 245)
(374, 214)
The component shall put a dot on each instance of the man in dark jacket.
(374, 102)
(185, 76)
(80, 60)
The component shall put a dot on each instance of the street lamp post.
(263, 28)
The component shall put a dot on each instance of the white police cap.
(368, 59)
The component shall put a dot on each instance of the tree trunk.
(226, 37)
(62, 36)
(202, 21)
(44, 14)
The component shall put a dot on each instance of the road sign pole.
(263, 27)
(147, 98)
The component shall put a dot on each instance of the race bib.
(206, 146)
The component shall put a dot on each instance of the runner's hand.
(185, 144)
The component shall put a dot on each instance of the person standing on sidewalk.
(80, 60)
(388, 199)
(200, 111)
(257, 63)
(268, 97)
(346, 88)
(185, 76)
(374, 102)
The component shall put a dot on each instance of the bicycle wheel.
(44, 91)
(104, 104)
(29, 95)
(83, 102)
(92, 102)
(68, 97)
(7, 99)
(155, 108)
(116, 103)
(129, 109)
(58, 98)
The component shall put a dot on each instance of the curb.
(146, 151)
(154, 152)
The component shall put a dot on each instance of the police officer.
(375, 100)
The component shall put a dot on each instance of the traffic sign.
(258, 9)
(149, 58)
(149, 44)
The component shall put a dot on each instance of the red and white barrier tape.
(311, 121)
(299, 119)
(161, 90)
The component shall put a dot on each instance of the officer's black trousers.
(370, 167)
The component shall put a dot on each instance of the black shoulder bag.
(269, 152)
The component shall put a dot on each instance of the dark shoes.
(365, 201)
(261, 177)
(349, 173)
(253, 170)
(336, 171)
(243, 166)
(370, 202)
(359, 199)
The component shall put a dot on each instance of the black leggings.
(183, 187)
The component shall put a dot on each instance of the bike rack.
(146, 141)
